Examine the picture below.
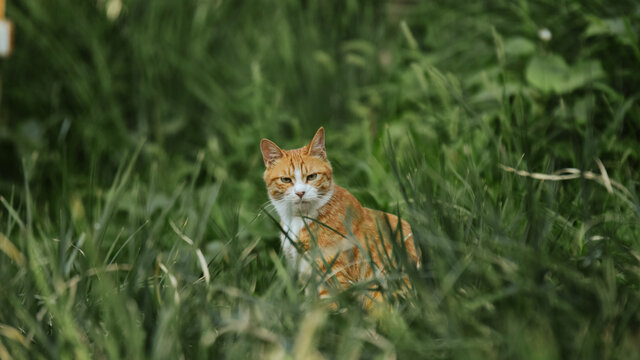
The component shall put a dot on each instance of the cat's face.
(299, 181)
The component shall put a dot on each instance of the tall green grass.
(132, 218)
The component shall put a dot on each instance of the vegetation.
(132, 221)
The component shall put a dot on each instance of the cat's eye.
(285, 180)
(311, 177)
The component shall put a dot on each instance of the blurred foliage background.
(132, 221)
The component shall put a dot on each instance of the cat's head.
(299, 180)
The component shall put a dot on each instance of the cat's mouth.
(302, 207)
(303, 204)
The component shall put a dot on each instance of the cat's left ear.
(316, 146)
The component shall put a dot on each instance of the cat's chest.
(290, 239)
(292, 228)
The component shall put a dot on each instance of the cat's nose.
(300, 194)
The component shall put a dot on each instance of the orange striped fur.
(327, 224)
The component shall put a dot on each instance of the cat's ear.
(316, 146)
(270, 152)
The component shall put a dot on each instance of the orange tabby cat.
(343, 232)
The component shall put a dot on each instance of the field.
(133, 218)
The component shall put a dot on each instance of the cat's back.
(392, 229)
(367, 223)
(385, 220)
(343, 205)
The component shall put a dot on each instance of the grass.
(132, 219)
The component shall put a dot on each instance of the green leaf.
(518, 46)
(583, 73)
(547, 73)
(597, 26)
(551, 74)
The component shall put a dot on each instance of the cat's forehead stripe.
(298, 159)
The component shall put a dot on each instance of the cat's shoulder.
(344, 197)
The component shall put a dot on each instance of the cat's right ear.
(270, 152)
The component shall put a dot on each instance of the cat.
(323, 223)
